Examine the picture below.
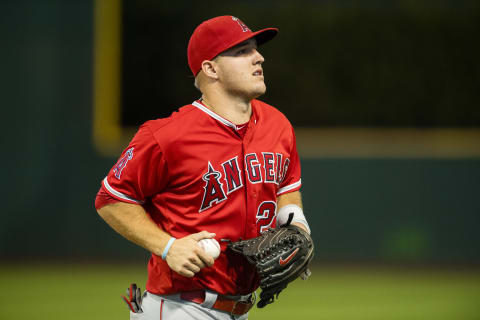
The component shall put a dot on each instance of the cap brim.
(261, 36)
(265, 35)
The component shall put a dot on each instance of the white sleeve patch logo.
(122, 163)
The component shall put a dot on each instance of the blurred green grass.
(92, 291)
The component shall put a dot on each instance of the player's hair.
(195, 82)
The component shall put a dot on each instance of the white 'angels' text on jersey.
(272, 171)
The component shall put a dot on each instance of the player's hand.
(186, 258)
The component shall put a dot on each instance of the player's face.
(240, 70)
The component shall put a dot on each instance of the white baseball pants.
(171, 307)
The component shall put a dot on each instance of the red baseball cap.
(216, 35)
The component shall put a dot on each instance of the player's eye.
(242, 51)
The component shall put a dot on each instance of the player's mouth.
(258, 72)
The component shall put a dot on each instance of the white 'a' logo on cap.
(241, 24)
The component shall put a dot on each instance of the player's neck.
(235, 110)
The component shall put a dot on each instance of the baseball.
(210, 246)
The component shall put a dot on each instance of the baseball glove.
(280, 256)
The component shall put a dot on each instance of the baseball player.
(224, 167)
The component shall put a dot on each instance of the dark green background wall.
(401, 210)
(334, 62)
(394, 210)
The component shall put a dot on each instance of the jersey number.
(266, 216)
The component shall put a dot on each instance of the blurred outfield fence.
(332, 65)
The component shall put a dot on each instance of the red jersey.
(194, 171)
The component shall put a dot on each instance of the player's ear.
(209, 69)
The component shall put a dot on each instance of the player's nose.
(258, 58)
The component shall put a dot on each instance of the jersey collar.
(212, 114)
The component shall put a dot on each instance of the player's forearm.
(293, 198)
(290, 198)
(132, 222)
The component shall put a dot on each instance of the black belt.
(223, 303)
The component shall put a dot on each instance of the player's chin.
(250, 92)
(259, 90)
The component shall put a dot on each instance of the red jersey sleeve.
(291, 180)
(103, 198)
(140, 172)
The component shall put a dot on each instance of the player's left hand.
(279, 255)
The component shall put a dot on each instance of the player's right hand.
(186, 258)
